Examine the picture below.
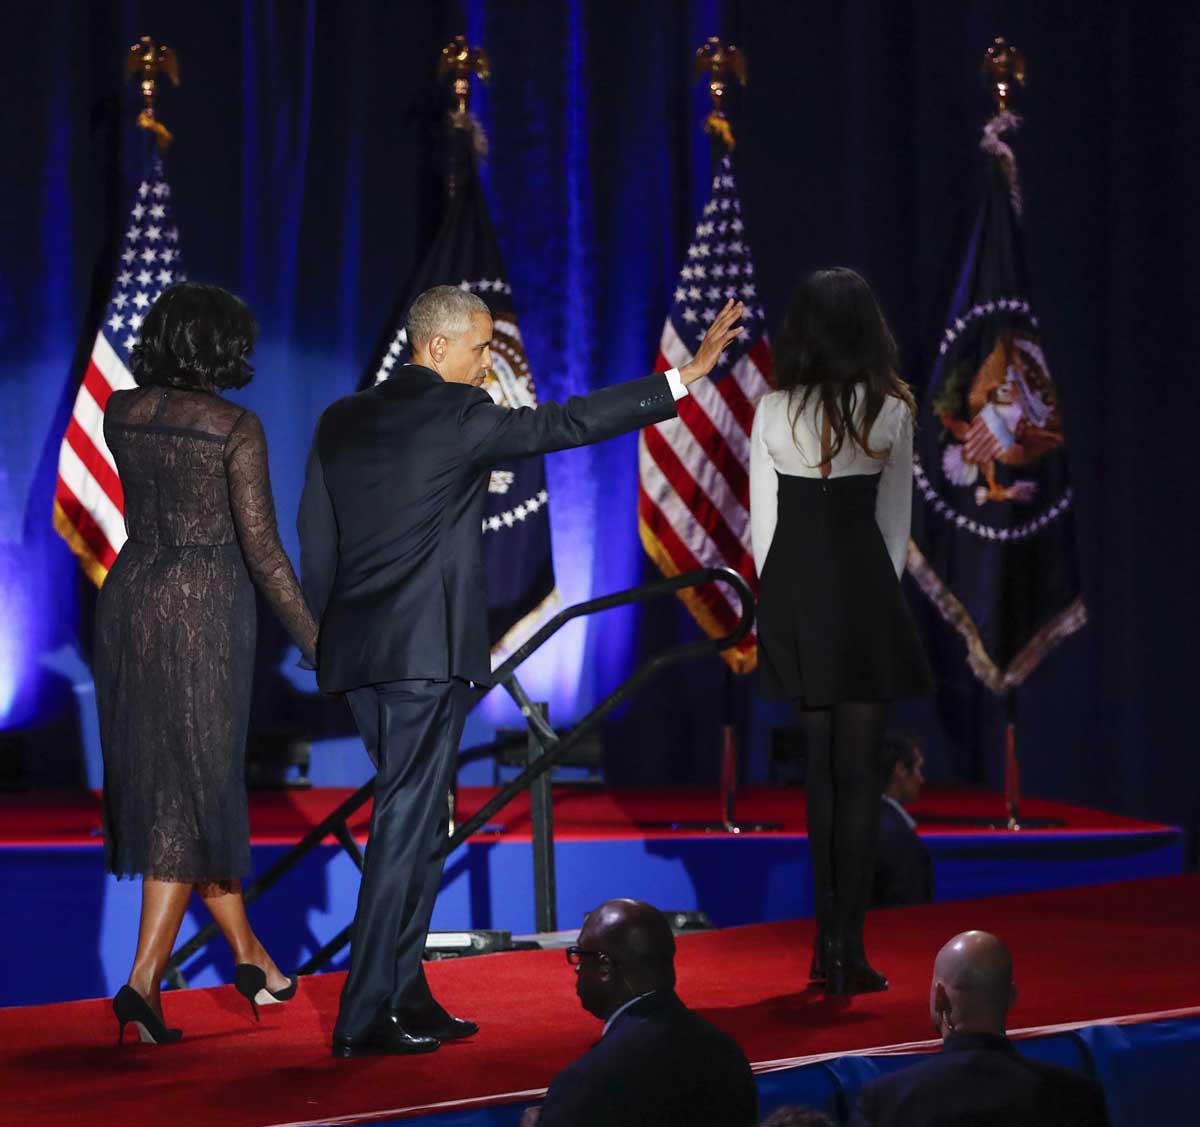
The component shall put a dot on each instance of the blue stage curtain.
(306, 179)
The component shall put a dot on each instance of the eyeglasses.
(576, 955)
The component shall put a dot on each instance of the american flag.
(89, 505)
(694, 470)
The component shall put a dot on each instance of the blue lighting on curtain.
(38, 325)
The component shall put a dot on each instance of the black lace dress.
(175, 631)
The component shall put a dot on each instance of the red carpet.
(1081, 955)
(282, 817)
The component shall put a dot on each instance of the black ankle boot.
(847, 970)
(820, 956)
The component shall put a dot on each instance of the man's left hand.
(724, 329)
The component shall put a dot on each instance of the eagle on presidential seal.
(1009, 416)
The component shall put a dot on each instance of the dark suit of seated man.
(903, 867)
(657, 1064)
(391, 550)
(978, 1079)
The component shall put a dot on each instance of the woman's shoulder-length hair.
(195, 336)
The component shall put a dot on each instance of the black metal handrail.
(554, 749)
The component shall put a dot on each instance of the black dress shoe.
(439, 1024)
(385, 1037)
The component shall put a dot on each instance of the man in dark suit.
(391, 559)
(978, 1079)
(903, 867)
(657, 1064)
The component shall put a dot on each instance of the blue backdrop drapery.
(306, 179)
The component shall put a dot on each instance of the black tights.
(842, 788)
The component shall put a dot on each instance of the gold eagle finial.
(147, 60)
(720, 62)
(461, 60)
(1003, 65)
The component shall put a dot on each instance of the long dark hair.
(834, 337)
(195, 336)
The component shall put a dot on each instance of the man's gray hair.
(442, 311)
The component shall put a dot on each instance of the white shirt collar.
(909, 820)
(618, 1013)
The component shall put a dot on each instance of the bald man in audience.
(657, 1062)
(978, 1079)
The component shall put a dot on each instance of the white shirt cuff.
(678, 388)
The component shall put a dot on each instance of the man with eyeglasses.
(657, 1062)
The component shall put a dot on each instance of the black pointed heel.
(251, 983)
(132, 1009)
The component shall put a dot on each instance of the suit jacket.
(903, 867)
(980, 1080)
(659, 1065)
(391, 516)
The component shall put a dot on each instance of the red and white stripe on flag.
(694, 470)
(89, 504)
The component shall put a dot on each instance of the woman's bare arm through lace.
(254, 517)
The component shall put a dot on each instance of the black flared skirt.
(833, 623)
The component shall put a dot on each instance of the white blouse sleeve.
(893, 505)
(764, 491)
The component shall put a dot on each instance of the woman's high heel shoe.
(251, 983)
(132, 1009)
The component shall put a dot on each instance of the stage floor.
(1082, 956)
(608, 843)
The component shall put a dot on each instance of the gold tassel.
(146, 120)
(718, 124)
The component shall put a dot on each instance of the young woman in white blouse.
(830, 505)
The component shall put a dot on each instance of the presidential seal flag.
(89, 504)
(694, 470)
(993, 542)
(516, 526)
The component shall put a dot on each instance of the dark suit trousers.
(411, 730)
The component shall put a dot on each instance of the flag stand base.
(728, 823)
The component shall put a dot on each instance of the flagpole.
(1004, 66)
(1012, 769)
(719, 63)
(715, 61)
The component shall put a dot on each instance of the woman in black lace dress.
(175, 633)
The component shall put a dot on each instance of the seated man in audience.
(978, 1079)
(797, 1117)
(657, 1064)
(903, 868)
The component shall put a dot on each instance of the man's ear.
(941, 1001)
(438, 345)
